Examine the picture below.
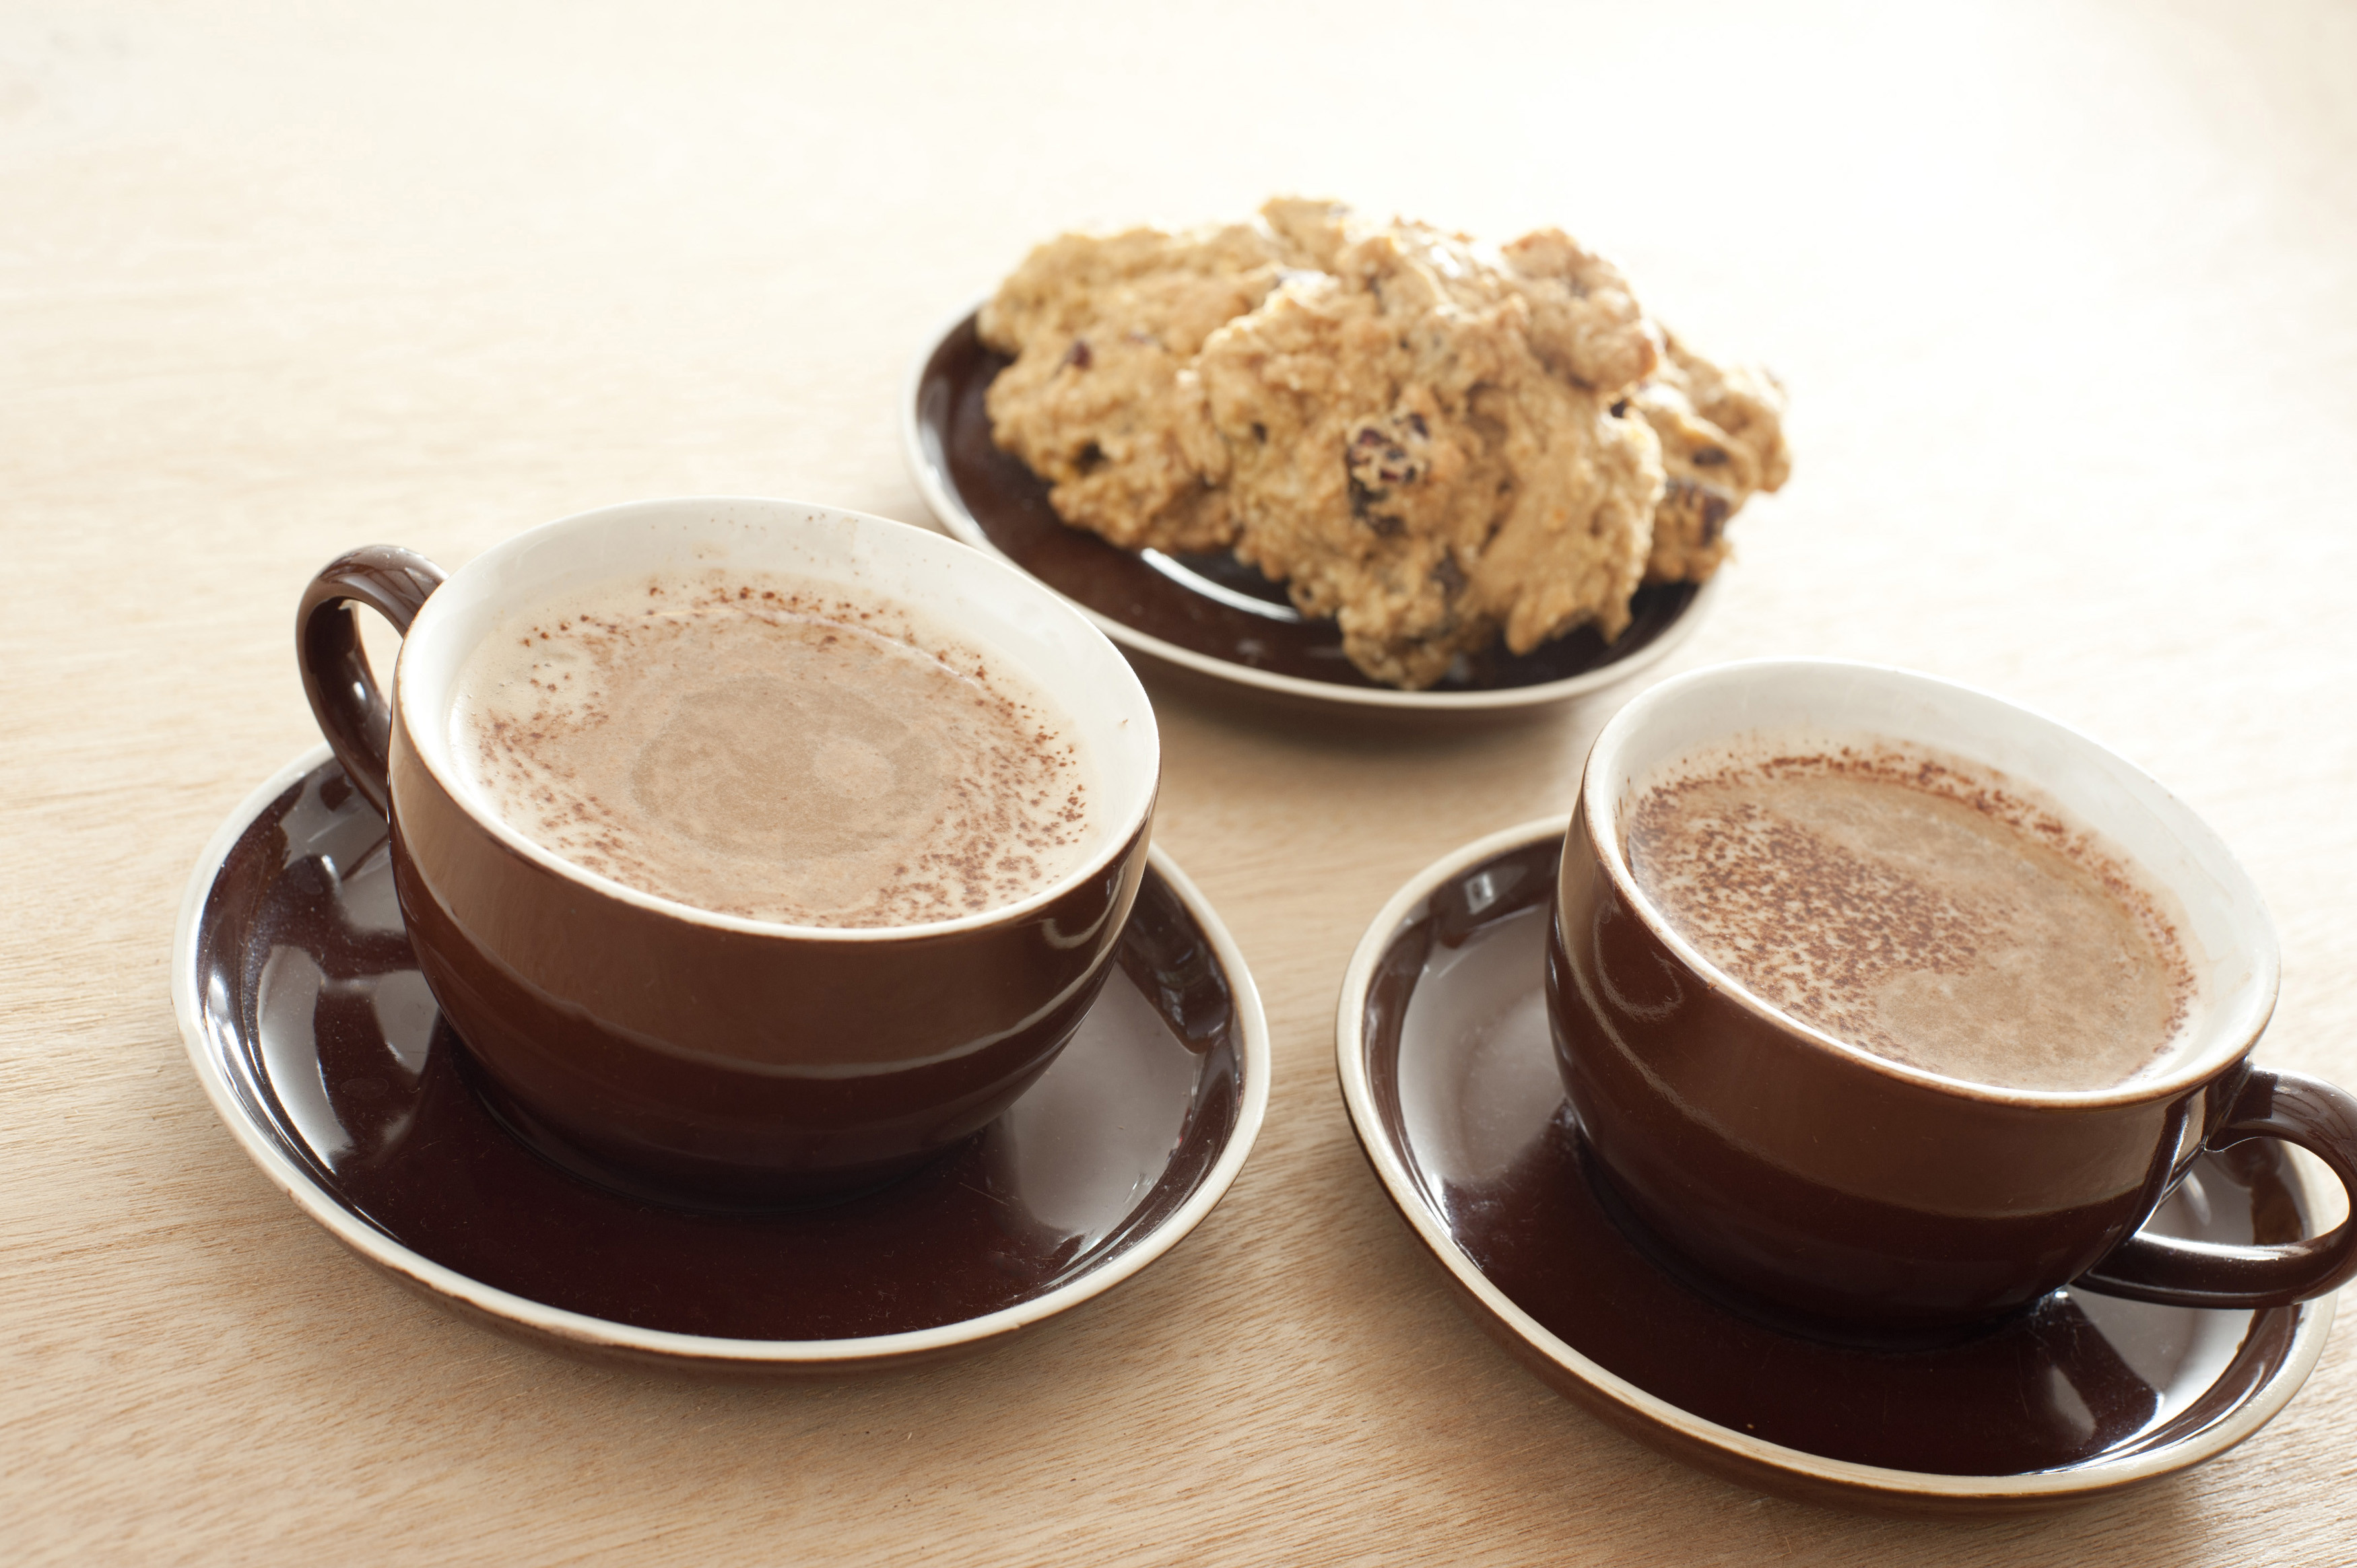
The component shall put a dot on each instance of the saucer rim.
(1755, 1460)
(509, 1312)
(949, 508)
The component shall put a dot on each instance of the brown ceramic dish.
(1209, 615)
(1449, 1074)
(312, 1029)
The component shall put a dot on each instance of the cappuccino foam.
(768, 747)
(1918, 909)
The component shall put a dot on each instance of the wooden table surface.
(2065, 297)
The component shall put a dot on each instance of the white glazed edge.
(934, 483)
(1350, 1049)
(290, 1179)
(2238, 1024)
(431, 734)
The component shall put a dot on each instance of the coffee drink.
(773, 747)
(1917, 908)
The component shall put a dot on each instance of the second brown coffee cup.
(1829, 1184)
(691, 1054)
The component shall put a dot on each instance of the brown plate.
(1446, 1069)
(314, 1033)
(1211, 614)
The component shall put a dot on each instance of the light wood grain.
(2065, 297)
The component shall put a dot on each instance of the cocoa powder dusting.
(758, 745)
(1919, 909)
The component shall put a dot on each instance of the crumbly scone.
(1722, 433)
(1584, 322)
(1405, 458)
(1309, 232)
(1102, 401)
(1432, 442)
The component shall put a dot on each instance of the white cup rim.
(2236, 991)
(475, 594)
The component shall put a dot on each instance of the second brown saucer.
(1449, 1077)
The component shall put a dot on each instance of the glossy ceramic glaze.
(705, 1064)
(1210, 616)
(312, 1027)
(1807, 1175)
(1447, 1071)
(700, 1058)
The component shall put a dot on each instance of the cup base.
(1845, 1334)
(721, 1192)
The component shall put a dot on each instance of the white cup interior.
(2228, 938)
(980, 600)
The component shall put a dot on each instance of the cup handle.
(353, 713)
(2302, 1110)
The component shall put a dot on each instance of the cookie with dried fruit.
(1584, 320)
(1404, 460)
(1722, 436)
(1101, 400)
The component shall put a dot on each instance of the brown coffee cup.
(1818, 1182)
(700, 1058)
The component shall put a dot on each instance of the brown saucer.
(1209, 614)
(1451, 1081)
(315, 1034)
